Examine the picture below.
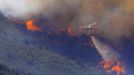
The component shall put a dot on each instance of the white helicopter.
(91, 28)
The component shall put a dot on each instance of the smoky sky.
(114, 18)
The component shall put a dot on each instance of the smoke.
(20, 8)
(29, 8)
(114, 18)
(105, 51)
(116, 25)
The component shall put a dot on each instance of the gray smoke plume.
(30, 8)
(114, 18)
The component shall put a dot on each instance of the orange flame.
(30, 26)
(70, 31)
(106, 65)
(117, 68)
(110, 66)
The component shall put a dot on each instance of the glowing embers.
(70, 31)
(31, 26)
(111, 66)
